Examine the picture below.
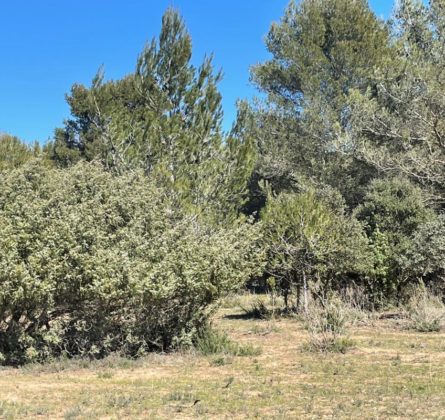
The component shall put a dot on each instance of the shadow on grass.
(240, 316)
(249, 315)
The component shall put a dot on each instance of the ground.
(389, 373)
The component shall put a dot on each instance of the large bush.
(92, 263)
(425, 259)
(394, 212)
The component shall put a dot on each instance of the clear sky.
(47, 45)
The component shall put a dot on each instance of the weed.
(214, 342)
(72, 413)
(183, 396)
(263, 330)
(326, 321)
(257, 310)
(328, 344)
(221, 361)
(120, 401)
(105, 374)
(426, 312)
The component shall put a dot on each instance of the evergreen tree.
(321, 49)
(400, 125)
(308, 242)
(393, 212)
(14, 152)
(164, 118)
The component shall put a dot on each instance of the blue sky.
(47, 45)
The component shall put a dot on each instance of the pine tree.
(166, 118)
(401, 123)
(321, 49)
(14, 152)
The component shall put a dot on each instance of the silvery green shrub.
(92, 263)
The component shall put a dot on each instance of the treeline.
(121, 233)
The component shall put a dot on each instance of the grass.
(216, 342)
(328, 344)
(258, 309)
(390, 372)
(426, 313)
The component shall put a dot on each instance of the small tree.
(307, 241)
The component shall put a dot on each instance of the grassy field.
(389, 373)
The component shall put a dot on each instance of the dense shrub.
(425, 259)
(394, 211)
(92, 263)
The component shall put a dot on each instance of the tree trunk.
(305, 292)
(297, 305)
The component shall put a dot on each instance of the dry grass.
(391, 373)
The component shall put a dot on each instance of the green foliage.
(393, 205)
(92, 263)
(320, 50)
(425, 258)
(308, 242)
(165, 118)
(14, 153)
(393, 211)
(398, 122)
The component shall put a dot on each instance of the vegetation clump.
(426, 312)
(92, 263)
(211, 342)
(326, 321)
(258, 310)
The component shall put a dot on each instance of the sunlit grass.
(390, 373)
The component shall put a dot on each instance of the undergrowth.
(211, 342)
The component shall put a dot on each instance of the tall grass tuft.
(211, 342)
(426, 312)
(326, 321)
